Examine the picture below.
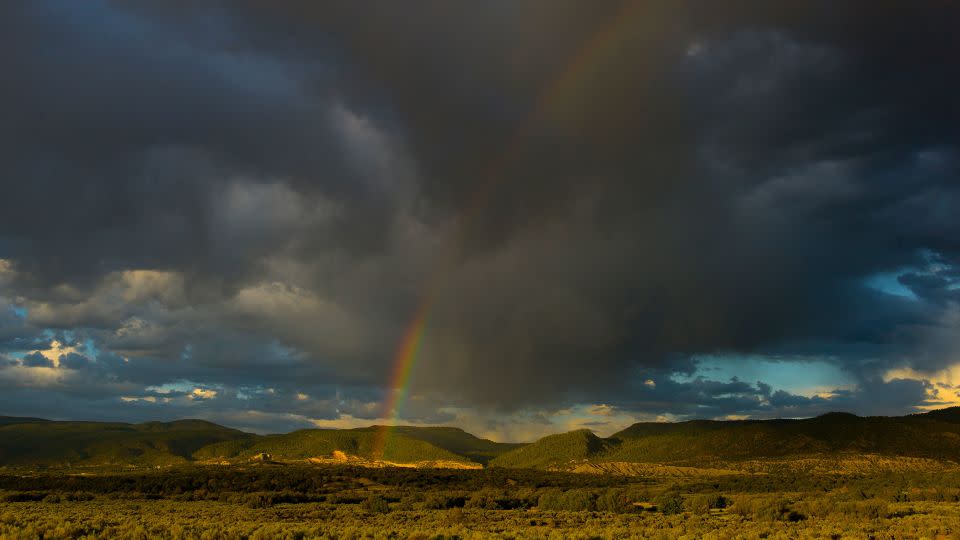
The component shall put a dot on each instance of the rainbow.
(565, 86)
(404, 362)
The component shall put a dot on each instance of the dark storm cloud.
(36, 360)
(14, 332)
(731, 182)
(130, 133)
(705, 398)
(257, 194)
(73, 361)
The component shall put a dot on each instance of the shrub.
(698, 504)
(23, 496)
(818, 507)
(669, 503)
(871, 509)
(485, 499)
(375, 504)
(550, 499)
(259, 500)
(573, 500)
(454, 516)
(615, 500)
(344, 498)
(266, 499)
(702, 504)
(766, 509)
(719, 501)
(78, 496)
(443, 502)
(496, 500)
(576, 500)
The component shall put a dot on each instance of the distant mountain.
(34, 441)
(307, 443)
(37, 442)
(935, 434)
(454, 440)
(403, 444)
(950, 414)
(554, 450)
(930, 435)
(19, 420)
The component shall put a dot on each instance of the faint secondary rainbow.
(408, 351)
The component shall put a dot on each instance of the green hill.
(5, 420)
(929, 435)
(306, 443)
(950, 414)
(403, 444)
(101, 443)
(454, 440)
(554, 450)
(914, 436)
(34, 441)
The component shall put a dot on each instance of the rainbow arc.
(570, 81)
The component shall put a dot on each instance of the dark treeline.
(303, 479)
(344, 484)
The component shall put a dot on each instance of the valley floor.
(314, 501)
(209, 519)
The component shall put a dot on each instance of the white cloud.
(600, 410)
(203, 393)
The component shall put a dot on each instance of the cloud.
(36, 360)
(272, 201)
(202, 393)
(73, 361)
(601, 410)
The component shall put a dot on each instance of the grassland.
(309, 501)
(212, 519)
(836, 476)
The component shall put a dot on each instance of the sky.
(515, 217)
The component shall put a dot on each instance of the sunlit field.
(309, 501)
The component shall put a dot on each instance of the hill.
(307, 443)
(4, 420)
(932, 435)
(554, 450)
(34, 441)
(950, 414)
(915, 436)
(102, 443)
(454, 440)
